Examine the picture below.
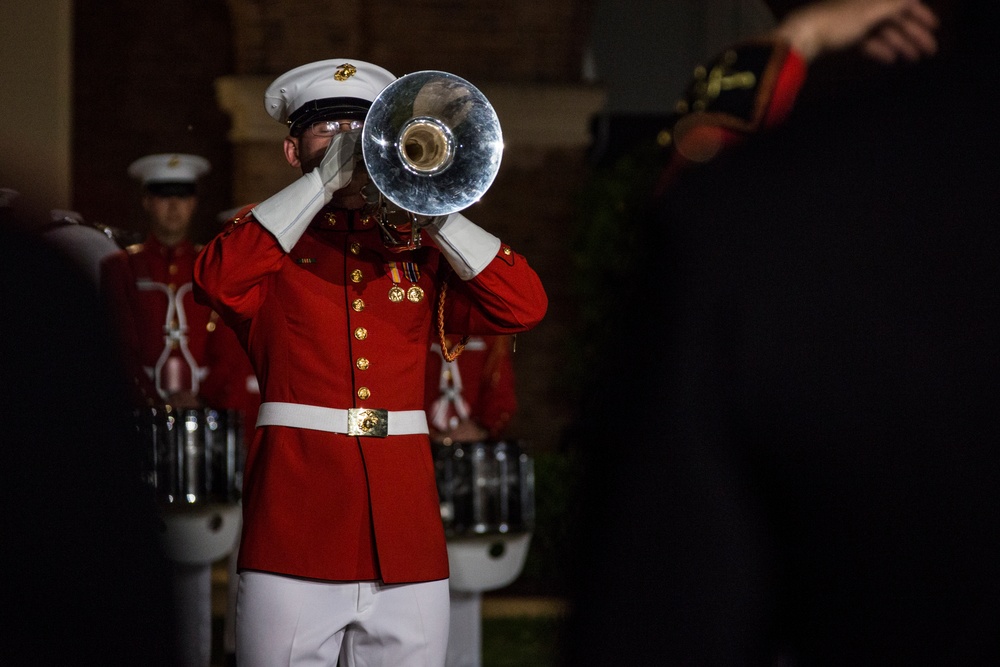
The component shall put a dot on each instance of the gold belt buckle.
(368, 422)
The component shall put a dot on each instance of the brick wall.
(144, 83)
(503, 40)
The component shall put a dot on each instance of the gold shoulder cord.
(448, 356)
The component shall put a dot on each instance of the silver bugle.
(431, 143)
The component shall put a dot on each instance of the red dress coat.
(478, 385)
(164, 333)
(321, 330)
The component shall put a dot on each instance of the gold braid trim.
(453, 355)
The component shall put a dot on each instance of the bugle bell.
(431, 143)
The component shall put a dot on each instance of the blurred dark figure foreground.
(810, 473)
(84, 579)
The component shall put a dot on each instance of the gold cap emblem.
(345, 72)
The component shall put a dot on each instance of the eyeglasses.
(331, 128)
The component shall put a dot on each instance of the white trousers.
(192, 584)
(232, 587)
(288, 621)
(465, 634)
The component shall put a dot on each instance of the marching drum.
(487, 492)
(194, 463)
(485, 488)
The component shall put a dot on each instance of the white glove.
(467, 247)
(288, 213)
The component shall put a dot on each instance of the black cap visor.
(171, 188)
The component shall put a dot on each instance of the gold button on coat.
(355, 248)
(363, 364)
(364, 393)
(361, 333)
(356, 276)
(358, 305)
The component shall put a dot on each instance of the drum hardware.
(123, 237)
(192, 457)
(485, 488)
(431, 144)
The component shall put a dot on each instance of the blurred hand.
(466, 431)
(184, 400)
(884, 30)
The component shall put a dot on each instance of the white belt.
(354, 421)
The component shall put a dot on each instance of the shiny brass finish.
(415, 294)
(367, 422)
(426, 146)
(396, 294)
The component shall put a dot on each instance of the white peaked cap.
(168, 168)
(325, 88)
